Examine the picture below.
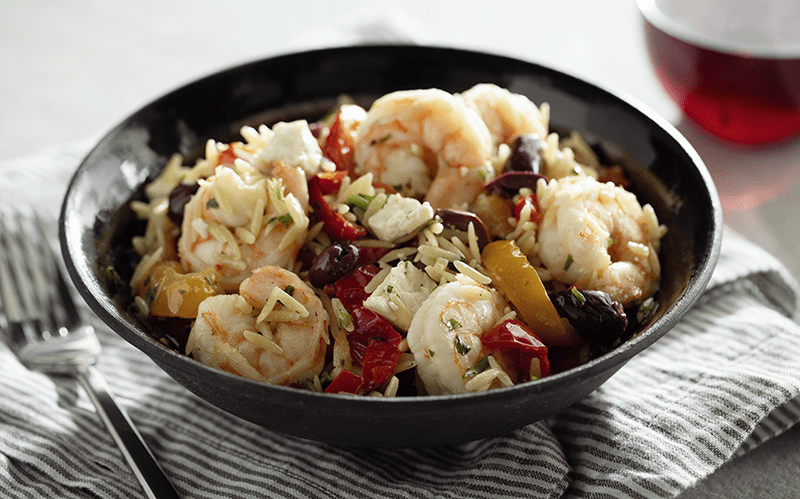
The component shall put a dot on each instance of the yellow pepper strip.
(171, 293)
(518, 280)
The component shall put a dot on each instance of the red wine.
(740, 97)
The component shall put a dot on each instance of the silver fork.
(46, 332)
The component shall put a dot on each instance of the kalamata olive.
(178, 198)
(459, 220)
(593, 314)
(508, 184)
(525, 155)
(336, 261)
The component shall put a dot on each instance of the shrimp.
(445, 333)
(293, 177)
(507, 115)
(597, 236)
(425, 143)
(275, 330)
(240, 220)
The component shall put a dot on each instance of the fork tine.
(64, 291)
(39, 269)
(53, 272)
(19, 267)
(24, 320)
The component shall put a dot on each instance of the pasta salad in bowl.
(333, 259)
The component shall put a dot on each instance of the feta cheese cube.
(294, 145)
(400, 218)
(400, 294)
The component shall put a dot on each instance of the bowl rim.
(81, 275)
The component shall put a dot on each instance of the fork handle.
(150, 475)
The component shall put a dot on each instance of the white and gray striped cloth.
(725, 379)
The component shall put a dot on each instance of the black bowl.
(97, 224)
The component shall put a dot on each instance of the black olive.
(525, 155)
(460, 220)
(593, 314)
(336, 261)
(178, 198)
(508, 184)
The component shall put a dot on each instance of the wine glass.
(733, 66)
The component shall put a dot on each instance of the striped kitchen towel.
(725, 379)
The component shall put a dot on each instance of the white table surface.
(73, 69)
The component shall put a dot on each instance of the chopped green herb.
(284, 219)
(279, 193)
(461, 347)
(610, 242)
(289, 290)
(478, 368)
(345, 319)
(385, 138)
(311, 386)
(431, 352)
(208, 280)
(569, 262)
(389, 288)
(578, 295)
(360, 200)
(452, 324)
(482, 175)
(212, 204)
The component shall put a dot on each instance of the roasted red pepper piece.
(369, 325)
(380, 359)
(373, 344)
(350, 291)
(530, 199)
(518, 342)
(336, 226)
(368, 255)
(345, 382)
(330, 182)
(373, 341)
(381, 340)
(350, 288)
(340, 142)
